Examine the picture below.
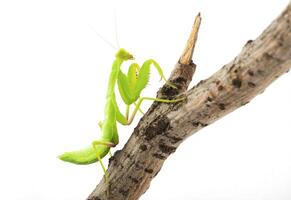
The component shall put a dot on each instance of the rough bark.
(165, 126)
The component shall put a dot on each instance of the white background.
(53, 75)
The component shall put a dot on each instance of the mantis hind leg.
(138, 104)
(103, 168)
(109, 144)
(105, 172)
(105, 143)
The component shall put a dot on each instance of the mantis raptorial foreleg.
(131, 85)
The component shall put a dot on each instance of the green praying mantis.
(130, 86)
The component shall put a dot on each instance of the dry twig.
(165, 126)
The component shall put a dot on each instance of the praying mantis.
(130, 87)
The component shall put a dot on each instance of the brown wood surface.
(165, 126)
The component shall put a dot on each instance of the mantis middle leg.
(138, 104)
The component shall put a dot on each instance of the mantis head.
(124, 55)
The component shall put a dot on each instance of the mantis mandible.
(130, 87)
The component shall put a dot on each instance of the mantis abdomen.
(85, 156)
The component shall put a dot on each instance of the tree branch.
(165, 126)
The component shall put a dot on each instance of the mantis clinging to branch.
(130, 88)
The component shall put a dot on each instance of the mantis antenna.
(104, 39)
(116, 29)
(117, 46)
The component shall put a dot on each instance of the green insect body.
(130, 87)
(109, 138)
